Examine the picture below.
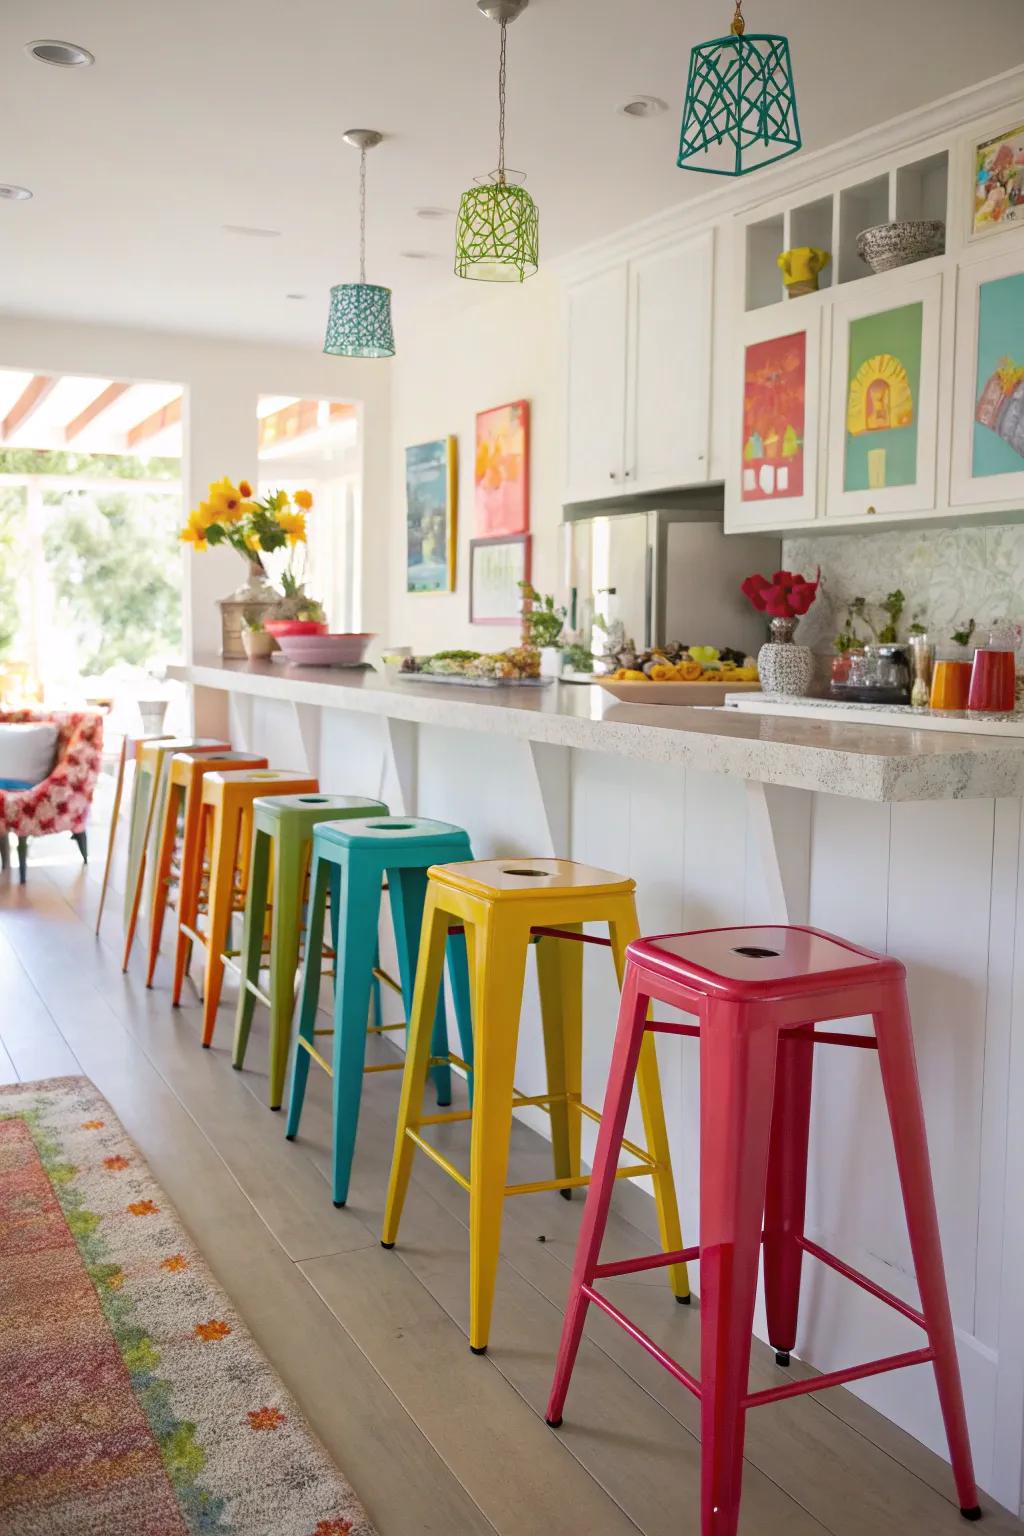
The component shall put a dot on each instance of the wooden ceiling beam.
(167, 416)
(102, 402)
(30, 399)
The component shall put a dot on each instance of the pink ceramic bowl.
(324, 650)
(279, 627)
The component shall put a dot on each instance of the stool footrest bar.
(439, 1158)
(389, 981)
(849, 1273)
(672, 1366)
(577, 938)
(649, 1261)
(839, 1378)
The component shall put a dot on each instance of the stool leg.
(135, 898)
(623, 929)
(310, 993)
(284, 956)
(560, 980)
(192, 851)
(408, 889)
(359, 917)
(787, 1191)
(417, 1060)
(458, 975)
(115, 816)
(252, 945)
(499, 970)
(628, 1039)
(218, 922)
(141, 790)
(906, 1117)
(737, 1072)
(165, 851)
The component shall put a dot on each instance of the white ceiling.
(201, 114)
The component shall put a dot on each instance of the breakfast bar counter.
(905, 840)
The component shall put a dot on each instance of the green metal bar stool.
(352, 861)
(282, 835)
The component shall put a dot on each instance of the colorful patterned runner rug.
(133, 1402)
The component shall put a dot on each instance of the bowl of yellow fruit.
(695, 674)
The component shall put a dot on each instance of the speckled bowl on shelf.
(324, 650)
(886, 246)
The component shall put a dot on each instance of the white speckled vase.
(785, 667)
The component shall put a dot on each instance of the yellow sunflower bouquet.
(232, 515)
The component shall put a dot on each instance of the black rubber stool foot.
(974, 1513)
(289, 1137)
(553, 1423)
(339, 1205)
(782, 1357)
(481, 1351)
(205, 1046)
(236, 1066)
(275, 1109)
(684, 1301)
(386, 1245)
(566, 1194)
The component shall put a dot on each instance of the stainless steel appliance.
(668, 574)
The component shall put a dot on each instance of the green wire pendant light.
(740, 107)
(497, 231)
(359, 319)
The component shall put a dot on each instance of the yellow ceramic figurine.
(800, 268)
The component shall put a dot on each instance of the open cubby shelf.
(917, 190)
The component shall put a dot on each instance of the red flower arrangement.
(787, 595)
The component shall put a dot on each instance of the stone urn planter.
(785, 668)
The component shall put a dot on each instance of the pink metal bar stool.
(758, 994)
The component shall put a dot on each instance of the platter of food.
(696, 674)
(515, 668)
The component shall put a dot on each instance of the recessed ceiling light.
(252, 230)
(435, 213)
(644, 106)
(48, 50)
(296, 295)
(13, 194)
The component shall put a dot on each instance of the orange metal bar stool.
(183, 802)
(226, 820)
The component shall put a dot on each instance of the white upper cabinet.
(596, 406)
(667, 403)
(639, 373)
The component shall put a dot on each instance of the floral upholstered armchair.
(61, 801)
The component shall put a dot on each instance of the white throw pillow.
(27, 753)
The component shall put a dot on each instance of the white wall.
(476, 346)
(224, 380)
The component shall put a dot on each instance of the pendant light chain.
(739, 25)
(501, 106)
(362, 215)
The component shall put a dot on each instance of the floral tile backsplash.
(949, 576)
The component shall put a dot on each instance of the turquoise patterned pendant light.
(740, 113)
(497, 231)
(359, 321)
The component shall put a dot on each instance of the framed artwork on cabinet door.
(779, 406)
(883, 416)
(997, 186)
(988, 402)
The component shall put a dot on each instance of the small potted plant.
(784, 667)
(255, 640)
(542, 628)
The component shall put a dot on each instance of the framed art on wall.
(496, 567)
(998, 182)
(501, 477)
(431, 493)
(778, 407)
(988, 402)
(883, 420)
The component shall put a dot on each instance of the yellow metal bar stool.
(504, 905)
(226, 810)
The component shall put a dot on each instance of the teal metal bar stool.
(282, 835)
(352, 861)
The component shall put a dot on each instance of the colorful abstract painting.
(999, 182)
(883, 381)
(502, 470)
(431, 488)
(774, 418)
(999, 394)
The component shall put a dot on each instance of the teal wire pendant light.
(740, 113)
(497, 232)
(359, 320)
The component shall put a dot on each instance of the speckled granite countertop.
(861, 760)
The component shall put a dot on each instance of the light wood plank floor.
(373, 1344)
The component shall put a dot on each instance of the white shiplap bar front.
(903, 840)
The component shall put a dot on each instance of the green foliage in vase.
(542, 621)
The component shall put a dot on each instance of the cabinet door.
(883, 414)
(988, 404)
(596, 405)
(668, 407)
